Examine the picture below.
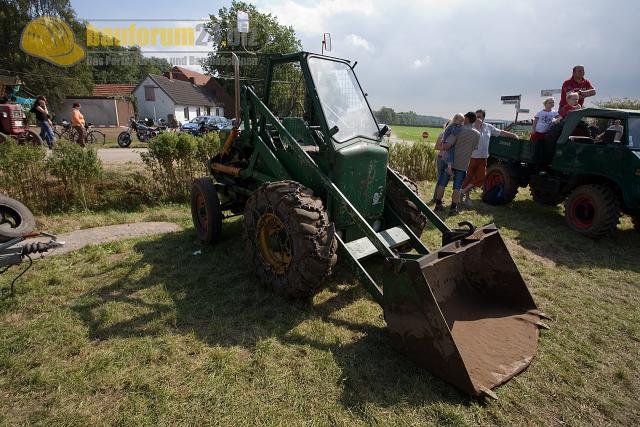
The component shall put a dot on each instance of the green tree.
(38, 76)
(124, 65)
(267, 36)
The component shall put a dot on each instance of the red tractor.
(13, 122)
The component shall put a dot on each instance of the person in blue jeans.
(44, 121)
(444, 162)
(464, 142)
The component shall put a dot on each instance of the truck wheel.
(15, 219)
(290, 241)
(592, 210)
(205, 211)
(547, 198)
(500, 174)
(405, 208)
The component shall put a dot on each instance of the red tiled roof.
(199, 78)
(112, 89)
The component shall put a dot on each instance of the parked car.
(194, 124)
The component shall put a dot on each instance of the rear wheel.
(500, 174)
(15, 219)
(405, 208)
(289, 239)
(545, 197)
(32, 138)
(592, 210)
(205, 211)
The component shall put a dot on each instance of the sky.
(447, 56)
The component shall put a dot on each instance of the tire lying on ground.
(15, 219)
(592, 210)
(289, 239)
(501, 174)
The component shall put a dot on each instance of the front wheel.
(205, 211)
(289, 239)
(404, 207)
(124, 139)
(500, 184)
(592, 210)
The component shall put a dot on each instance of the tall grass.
(417, 161)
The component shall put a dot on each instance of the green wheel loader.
(306, 166)
(590, 160)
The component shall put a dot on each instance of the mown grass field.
(414, 133)
(144, 332)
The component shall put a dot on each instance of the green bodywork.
(352, 176)
(576, 160)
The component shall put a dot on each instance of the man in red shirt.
(577, 83)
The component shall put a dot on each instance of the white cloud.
(421, 62)
(316, 18)
(359, 42)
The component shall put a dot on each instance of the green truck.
(590, 160)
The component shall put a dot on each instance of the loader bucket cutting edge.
(463, 312)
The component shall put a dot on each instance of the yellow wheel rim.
(274, 242)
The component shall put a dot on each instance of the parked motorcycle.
(143, 132)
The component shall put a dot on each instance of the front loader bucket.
(463, 312)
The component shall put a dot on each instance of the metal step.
(363, 248)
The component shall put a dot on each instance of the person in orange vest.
(77, 121)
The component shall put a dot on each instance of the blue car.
(194, 124)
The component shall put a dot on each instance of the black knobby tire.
(287, 215)
(592, 210)
(33, 138)
(405, 208)
(545, 197)
(3, 137)
(124, 139)
(15, 219)
(501, 174)
(205, 210)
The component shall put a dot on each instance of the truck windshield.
(342, 100)
(634, 132)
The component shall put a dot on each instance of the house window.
(186, 113)
(197, 111)
(149, 93)
(208, 111)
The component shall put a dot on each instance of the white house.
(159, 96)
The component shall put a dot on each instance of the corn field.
(417, 161)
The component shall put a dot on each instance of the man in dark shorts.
(577, 83)
(465, 142)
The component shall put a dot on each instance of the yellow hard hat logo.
(51, 39)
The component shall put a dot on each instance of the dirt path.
(121, 155)
(94, 236)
